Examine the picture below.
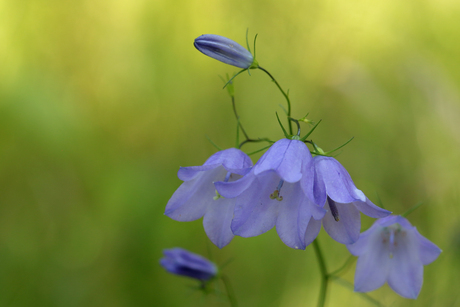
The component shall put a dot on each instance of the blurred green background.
(102, 101)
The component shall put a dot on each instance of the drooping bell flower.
(392, 251)
(331, 187)
(180, 261)
(197, 196)
(270, 195)
(225, 50)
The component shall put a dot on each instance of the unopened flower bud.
(182, 262)
(224, 50)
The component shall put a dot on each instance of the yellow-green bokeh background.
(101, 102)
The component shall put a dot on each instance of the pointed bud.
(225, 50)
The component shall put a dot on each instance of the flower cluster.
(286, 188)
(296, 191)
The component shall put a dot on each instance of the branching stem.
(324, 274)
(284, 94)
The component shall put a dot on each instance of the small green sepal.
(310, 132)
(281, 125)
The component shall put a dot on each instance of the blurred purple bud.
(182, 262)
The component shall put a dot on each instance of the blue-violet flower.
(392, 251)
(197, 196)
(182, 262)
(225, 50)
(331, 187)
(270, 194)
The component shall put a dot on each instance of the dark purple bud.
(182, 262)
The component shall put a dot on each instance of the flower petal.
(217, 221)
(232, 159)
(235, 188)
(360, 247)
(191, 172)
(389, 220)
(373, 264)
(339, 186)
(286, 158)
(255, 213)
(428, 251)
(369, 209)
(318, 212)
(293, 216)
(190, 201)
(406, 272)
(312, 185)
(346, 229)
(312, 231)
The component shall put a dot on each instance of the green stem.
(344, 267)
(324, 274)
(229, 289)
(284, 94)
(259, 150)
(240, 125)
(298, 125)
(254, 141)
(238, 118)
